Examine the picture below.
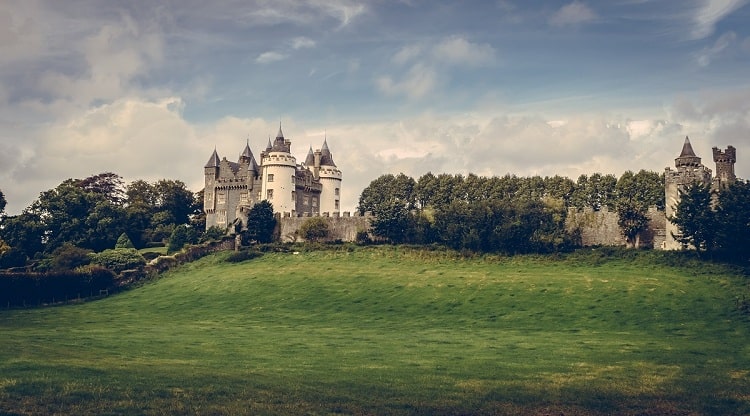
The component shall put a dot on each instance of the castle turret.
(278, 172)
(211, 174)
(725, 161)
(330, 179)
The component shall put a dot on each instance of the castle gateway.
(232, 188)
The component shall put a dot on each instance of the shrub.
(315, 229)
(124, 242)
(119, 259)
(68, 257)
(212, 234)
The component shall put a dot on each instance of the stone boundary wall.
(191, 253)
(599, 228)
(344, 226)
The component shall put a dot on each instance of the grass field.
(385, 330)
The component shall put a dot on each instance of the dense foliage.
(715, 223)
(25, 289)
(118, 259)
(314, 229)
(260, 224)
(98, 213)
(507, 214)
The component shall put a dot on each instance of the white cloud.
(707, 55)
(572, 14)
(458, 50)
(407, 54)
(417, 83)
(302, 42)
(711, 12)
(270, 57)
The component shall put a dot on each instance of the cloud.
(419, 81)
(573, 14)
(710, 13)
(270, 57)
(705, 56)
(301, 42)
(407, 54)
(457, 50)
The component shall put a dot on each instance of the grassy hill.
(385, 330)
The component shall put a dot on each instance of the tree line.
(92, 213)
(508, 213)
(512, 214)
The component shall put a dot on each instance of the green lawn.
(387, 330)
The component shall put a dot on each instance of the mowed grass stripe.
(389, 330)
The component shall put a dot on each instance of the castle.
(689, 170)
(307, 189)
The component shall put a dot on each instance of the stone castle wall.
(344, 226)
(599, 228)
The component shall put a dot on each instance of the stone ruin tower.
(689, 170)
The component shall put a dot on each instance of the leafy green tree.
(695, 218)
(387, 189)
(107, 184)
(595, 191)
(634, 194)
(173, 196)
(123, 241)
(733, 221)
(24, 233)
(68, 257)
(182, 234)
(261, 223)
(315, 229)
(72, 214)
(392, 221)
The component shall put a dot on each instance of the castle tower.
(689, 171)
(278, 168)
(724, 166)
(211, 174)
(330, 179)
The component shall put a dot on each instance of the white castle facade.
(232, 188)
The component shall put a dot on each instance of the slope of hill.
(390, 331)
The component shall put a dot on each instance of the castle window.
(336, 206)
(269, 194)
(243, 198)
(221, 198)
(209, 196)
(270, 177)
(306, 200)
(315, 202)
(336, 191)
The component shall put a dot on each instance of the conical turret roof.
(214, 161)
(687, 149)
(326, 158)
(687, 156)
(310, 159)
(280, 134)
(247, 155)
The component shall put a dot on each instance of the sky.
(148, 89)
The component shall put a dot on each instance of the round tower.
(278, 172)
(330, 181)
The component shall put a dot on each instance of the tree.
(173, 196)
(392, 221)
(3, 203)
(694, 217)
(182, 234)
(68, 257)
(387, 189)
(261, 223)
(107, 184)
(634, 194)
(733, 221)
(24, 234)
(123, 241)
(315, 229)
